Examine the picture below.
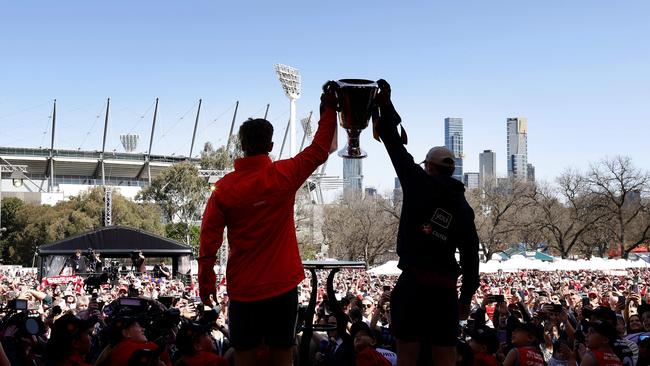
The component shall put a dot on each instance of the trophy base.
(352, 153)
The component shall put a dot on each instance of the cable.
(92, 126)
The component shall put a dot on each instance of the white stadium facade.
(56, 174)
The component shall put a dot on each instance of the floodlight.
(306, 127)
(129, 142)
(290, 80)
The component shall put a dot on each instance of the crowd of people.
(517, 318)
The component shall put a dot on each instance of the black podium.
(341, 319)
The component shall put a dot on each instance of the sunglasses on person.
(367, 306)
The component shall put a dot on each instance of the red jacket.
(370, 357)
(255, 203)
(122, 352)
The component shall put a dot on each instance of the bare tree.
(357, 228)
(497, 219)
(621, 187)
(566, 212)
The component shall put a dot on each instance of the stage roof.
(117, 241)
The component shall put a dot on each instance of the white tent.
(389, 268)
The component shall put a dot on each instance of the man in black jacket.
(436, 221)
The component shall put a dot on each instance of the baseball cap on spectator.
(187, 334)
(532, 329)
(604, 314)
(68, 326)
(593, 294)
(362, 327)
(487, 338)
(116, 327)
(65, 330)
(605, 329)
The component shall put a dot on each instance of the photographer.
(138, 262)
(161, 271)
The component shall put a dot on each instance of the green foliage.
(29, 225)
(220, 159)
(178, 232)
(179, 192)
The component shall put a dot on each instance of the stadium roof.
(88, 163)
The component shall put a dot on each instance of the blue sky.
(579, 71)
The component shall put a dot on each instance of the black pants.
(424, 313)
(272, 320)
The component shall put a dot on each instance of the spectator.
(526, 338)
(196, 347)
(127, 337)
(599, 352)
(70, 340)
(484, 344)
(364, 346)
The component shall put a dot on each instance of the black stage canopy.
(114, 242)
(117, 241)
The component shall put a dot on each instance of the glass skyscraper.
(487, 169)
(517, 148)
(352, 176)
(454, 142)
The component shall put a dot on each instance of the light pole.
(290, 80)
(17, 176)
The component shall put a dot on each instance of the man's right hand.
(329, 98)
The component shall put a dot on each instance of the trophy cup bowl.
(356, 98)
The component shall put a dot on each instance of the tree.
(220, 158)
(358, 228)
(566, 212)
(10, 206)
(33, 225)
(180, 193)
(497, 212)
(621, 188)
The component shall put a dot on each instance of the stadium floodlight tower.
(290, 80)
(129, 142)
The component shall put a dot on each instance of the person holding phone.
(435, 221)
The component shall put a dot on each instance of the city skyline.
(578, 68)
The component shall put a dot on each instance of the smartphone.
(585, 301)
(386, 288)
(496, 298)
(643, 337)
(621, 302)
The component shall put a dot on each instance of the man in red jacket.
(255, 203)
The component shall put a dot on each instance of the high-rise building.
(371, 191)
(487, 169)
(454, 142)
(397, 191)
(471, 180)
(517, 148)
(352, 176)
(531, 173)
